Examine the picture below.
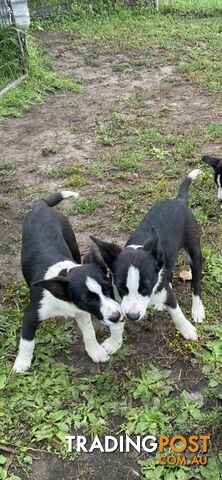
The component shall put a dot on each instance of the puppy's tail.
(184, 187)
(212, 161)
(55, 198)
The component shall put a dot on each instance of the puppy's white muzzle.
(111, 311)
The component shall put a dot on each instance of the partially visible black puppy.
(60, 285)
(216, 163)
(142, 269)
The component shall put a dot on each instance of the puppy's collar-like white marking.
(54, 270)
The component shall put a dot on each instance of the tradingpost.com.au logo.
(183, 451)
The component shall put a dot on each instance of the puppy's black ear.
(58, 286)
(153, 245)
(212, 161)
(108, 250)
(94, 257)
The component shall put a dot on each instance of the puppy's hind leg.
(70, 239)
(95, 351)
(181, 323)
(198, 312)
(195, 259)
(27, 341)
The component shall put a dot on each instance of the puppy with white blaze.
(60, 285)
(216, 163)
(142, 270)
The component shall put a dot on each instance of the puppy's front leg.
(27, 341)
(95, 351)
(181, 323)
(114, 342)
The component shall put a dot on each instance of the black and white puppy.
(60, 285)
(216, 163)
(142, 270)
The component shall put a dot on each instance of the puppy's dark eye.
(107, 285)
(91, 296)
(143, 291)
(107, 290)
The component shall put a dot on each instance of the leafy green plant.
(152, 383)
(5, 476)
(152, 471)
(76, 181)
(46, 151)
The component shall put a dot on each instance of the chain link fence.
(13, 52)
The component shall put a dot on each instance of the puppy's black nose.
(115, 317)
(133, 316)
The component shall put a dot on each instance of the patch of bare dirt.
(50, 124)
(104, 465)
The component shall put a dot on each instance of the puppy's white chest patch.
(51, 306)
(158, 298)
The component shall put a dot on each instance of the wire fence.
(13, 52)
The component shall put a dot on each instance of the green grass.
(10, 57)
(47, 151)
(109, 132)
(76, 181)
(6, 167)
(41, 80)
(61, 172)
(75, 173)
(127, 160)
(213, 131)
(55, 397)
(141, 30)
(87, 205)
(13, 244)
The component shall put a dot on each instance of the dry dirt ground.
(72, 122)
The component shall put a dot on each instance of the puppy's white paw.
(189, 331)
(198, 312)
(111, 346)
(159, 307)
(98, 354)
(20, 365)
